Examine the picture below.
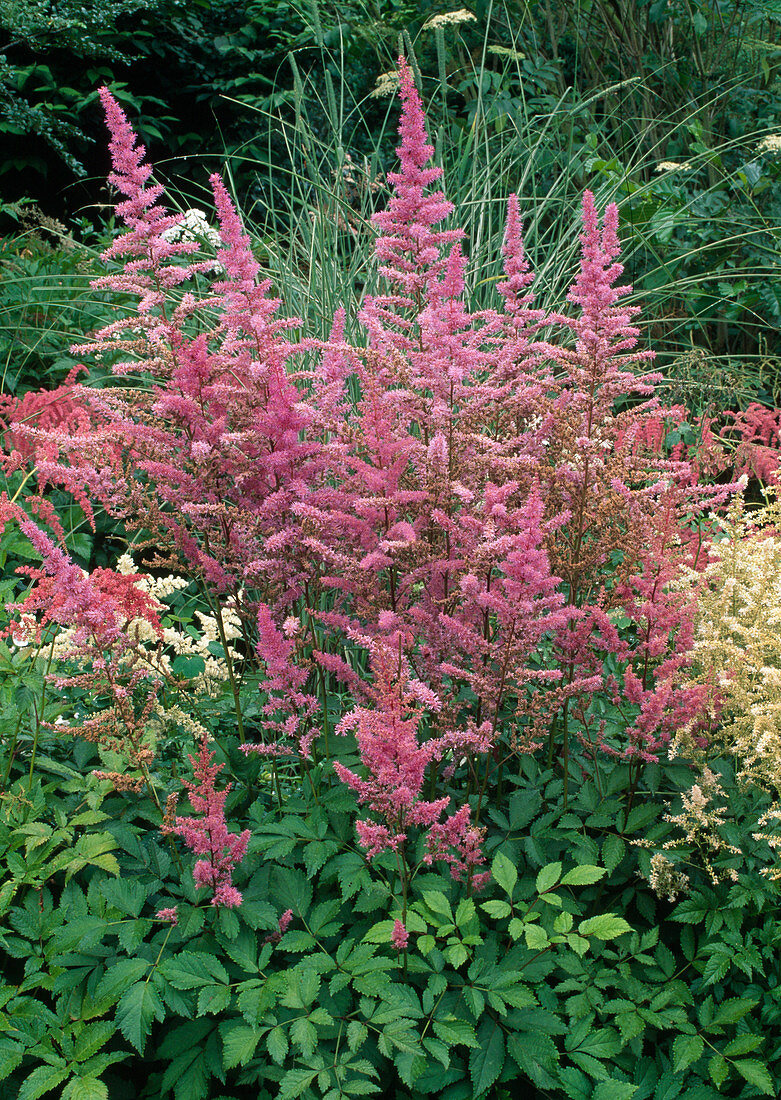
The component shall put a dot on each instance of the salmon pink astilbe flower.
(150, 270)
(208, 835)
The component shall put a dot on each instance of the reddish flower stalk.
(208, 835)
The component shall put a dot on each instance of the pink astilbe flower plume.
(395, 762)
(208, 835)
(515, 288)
(149, 271)
(409, 248)
(210, 455)
(399, 936)
(288, 706)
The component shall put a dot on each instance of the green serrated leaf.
(465, 912)
(496, 908)
(614, 1090)
(295, 1082)
(743, 1044)
(304, 1034)
(42, 1080)
(547, 877)
(585, 875)
(380, 932)
(192, 970)
(718, 1069)
(686, 1050)
(504, 872)
(536, 937)
(613, 851)
(85, 1088)
(438, 904)
(277, 1044)
(357, 1034)
(733, 1010)
(486, 1061)
(120, 976)
(755, 1073)
(239, 1045)
(137, 1007)
(91, 1039)
(607, 926)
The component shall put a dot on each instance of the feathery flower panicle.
(399, 936)
(151, 269)
(61, 409)
(287, 706)
(409, 248)
(606, 339)
(395, 762)
(514, 289)
(208, 835)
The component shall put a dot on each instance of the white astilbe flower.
(672, 166)
(194, 226)
(449, 19)
(770, 144)
(386, 84)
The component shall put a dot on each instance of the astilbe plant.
(435, 529)
(494, 481)
(491, 496)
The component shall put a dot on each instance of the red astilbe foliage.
(754, 438)
(49, 410)
(395, 761)
(208, 835)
